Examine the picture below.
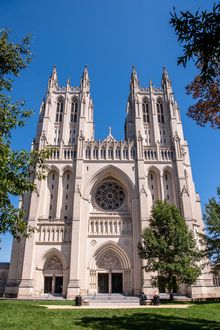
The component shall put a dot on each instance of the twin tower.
(98, 195)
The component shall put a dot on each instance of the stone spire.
(166, 83)
(134, 82)
(53, 81)
(85, 83)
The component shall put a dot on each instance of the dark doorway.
(48, 284)
(117, 286)
(58, 284)
(103, 279)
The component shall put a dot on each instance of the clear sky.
(109, 36)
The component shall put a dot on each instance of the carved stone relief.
(109, 261)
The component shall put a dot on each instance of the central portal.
(110, 283)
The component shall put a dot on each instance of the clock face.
(109, 195)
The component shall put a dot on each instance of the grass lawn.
(29, 315)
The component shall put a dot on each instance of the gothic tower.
(98, 195)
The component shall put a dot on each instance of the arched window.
(67, 196)
(74, 111)
(110, 153)
(153, 186)
(88, 153)
(160, 114)
(168, 187)
(60, 110)
(51, 200)
(145, 108)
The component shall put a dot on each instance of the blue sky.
(109, 36)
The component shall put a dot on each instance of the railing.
(66, 153)
(53, 231)
(161, 154)
(115, 226)
(120, 151)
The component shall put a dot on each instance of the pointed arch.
(113, 172)
(52, 192)
(113, 248)
(146, 110)
(160, 111)
(154, 186)
(60, 109)
(53, 252)
(168, 185)
(74, 109)
(67, 193)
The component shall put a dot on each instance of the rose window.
(109, 196)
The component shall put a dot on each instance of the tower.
(97, 198)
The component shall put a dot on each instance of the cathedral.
(97, 198)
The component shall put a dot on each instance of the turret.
(85, 83)
(166, 83)
(134, 82)
(53, 81)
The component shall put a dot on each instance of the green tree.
(199, 35)
(18, 169)
(169, 248)
(212, 237)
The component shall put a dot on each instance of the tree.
(18, 169)
(169, 248)
(212, 237)
(199, 35)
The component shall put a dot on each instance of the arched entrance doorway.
(53, 276)
(110, 270)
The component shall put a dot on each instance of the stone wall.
(4, 268)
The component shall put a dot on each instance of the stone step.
(112, 299)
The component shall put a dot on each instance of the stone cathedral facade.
(97, 198)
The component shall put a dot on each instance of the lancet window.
(60, 110)
(145, 108)
(160, 114)
(74, 111)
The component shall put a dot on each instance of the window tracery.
(109, 196)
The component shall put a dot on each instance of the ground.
(24, 315)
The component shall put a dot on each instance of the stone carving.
(109, 195)
(53, 263)
(93, 242)
(109, 261)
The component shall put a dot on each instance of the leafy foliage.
(169, 248)
(199, 35)
(212, 239)
(18, 169)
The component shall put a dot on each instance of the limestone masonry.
(98, 195)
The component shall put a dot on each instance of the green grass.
(29, 315)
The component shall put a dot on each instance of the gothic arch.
(168, 185)
(53, 252)
(146, 99)
(110, 248)
(168, 169)
(113, 172)
(154, 185)
(60, 98)
(52, 192)
(66, 168)
(53, 168)
(67, 193)
(154, 169)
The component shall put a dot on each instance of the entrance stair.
(111, 299)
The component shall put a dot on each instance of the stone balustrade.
(53, 231)
(109, 225)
